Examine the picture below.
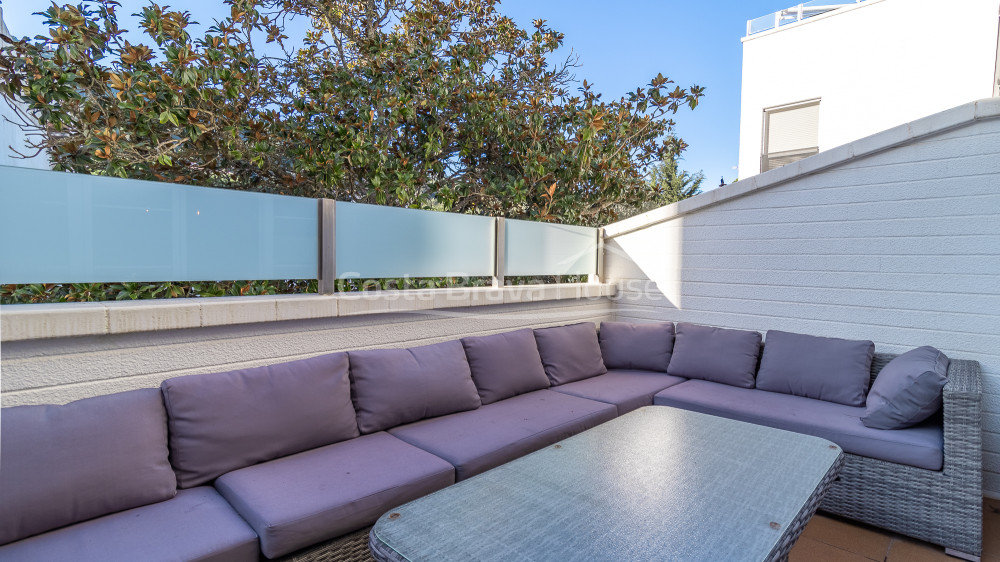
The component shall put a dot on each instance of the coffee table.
(658, 483)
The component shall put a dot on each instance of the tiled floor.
(830, 539)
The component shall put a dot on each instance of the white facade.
(11, 135)
(872, 65)
(892, 238)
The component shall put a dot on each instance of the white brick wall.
(901, 247)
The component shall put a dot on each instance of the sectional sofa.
(296, 460)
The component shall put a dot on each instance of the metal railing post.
(327, 246)
(499, 251)
(598, 277)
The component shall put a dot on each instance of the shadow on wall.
(648, 264)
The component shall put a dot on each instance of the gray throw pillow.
(715, 354)
(907, 390)
(505, 365)
(831, 369)
(637, 346)
(391, 387)
(570, 353)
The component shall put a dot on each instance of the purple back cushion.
(396, 386)
(830, 369)
(715, 354)
(570, 353)
(92, 457)
(220, 422)
(505, 365)
(907, 390)
(637, 346)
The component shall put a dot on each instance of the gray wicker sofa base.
(942, 507)
(263, 446)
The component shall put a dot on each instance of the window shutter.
(793, 129)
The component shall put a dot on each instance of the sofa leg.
(962, 555)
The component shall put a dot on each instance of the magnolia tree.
(443, 104)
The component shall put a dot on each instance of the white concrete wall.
(57, 370)
(874, 65)
(11, 135)
(900, 246)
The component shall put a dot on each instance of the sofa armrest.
(964, 378)
(963, 406)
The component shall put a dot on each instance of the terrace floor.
(831, 539)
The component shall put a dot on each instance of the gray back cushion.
(505, 365)
(715, 354)
(92, 457)
(570, 353)
(907, 390)
(220, 422)
(396, 386)
(831, 369)
(637, 346)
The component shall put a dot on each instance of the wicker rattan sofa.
(296, 460)
(942, 507)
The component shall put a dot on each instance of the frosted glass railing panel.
(537, 248)
(795, 13)
(760, 24)
(58, 227)
(378, 242)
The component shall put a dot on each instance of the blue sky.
(621, 46)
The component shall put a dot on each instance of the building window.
(791, 132)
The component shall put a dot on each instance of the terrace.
(891, 238)
(794, 14)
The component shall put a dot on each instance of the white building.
(819, 76)
(11, 135)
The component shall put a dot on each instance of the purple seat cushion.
(225, 421)
(92, 457)
(570, 353)
(627, 389)
(830, 369)
(920, 446)
(637, 346)
(505, 365)
(397, 386)
(197, 524)
(482, 439)
(907, 390)
(715, 354)
(304, 499)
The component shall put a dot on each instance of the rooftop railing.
(794, 14)
(74, 228)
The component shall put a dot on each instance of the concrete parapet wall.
(53, 354)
